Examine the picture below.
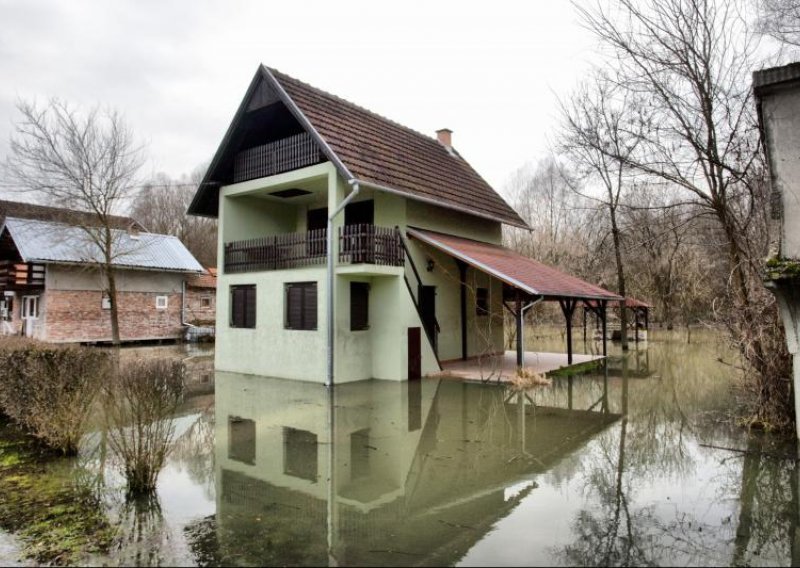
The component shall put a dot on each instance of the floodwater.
(631, 464)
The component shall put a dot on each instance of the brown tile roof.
(207, 280)
(21, 210)
(514, 269)
(380, 151)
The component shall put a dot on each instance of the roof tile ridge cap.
(358, 107)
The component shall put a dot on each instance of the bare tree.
(85, 161)
(161, 206)
(780, 19)
(686, 65)
(594, 136)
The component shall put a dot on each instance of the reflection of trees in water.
(193, 451)
(144, 538)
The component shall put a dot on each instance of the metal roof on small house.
(59, 243)
(514, 269)
(363, 146)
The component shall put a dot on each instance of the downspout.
(330, 294)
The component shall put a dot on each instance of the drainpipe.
(183, 302)
(331, 323)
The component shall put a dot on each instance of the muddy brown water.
(630, 464)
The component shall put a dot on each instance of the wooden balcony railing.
(283, 155)
(20, 275)
(369, 244)
(357, 244)
(292, 250)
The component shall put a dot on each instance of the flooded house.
(777, 92)
(353, 247)
(51, 287)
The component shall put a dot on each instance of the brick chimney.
(445, 137)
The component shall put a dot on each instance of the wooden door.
(427, 307)
(414, 354)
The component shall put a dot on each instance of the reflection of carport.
(525, 280)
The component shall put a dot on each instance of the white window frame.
(162, 302)
(105, 302)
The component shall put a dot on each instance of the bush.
(139, 403)
(50, 390)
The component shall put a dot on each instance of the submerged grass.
(58, 521)
(577, 369)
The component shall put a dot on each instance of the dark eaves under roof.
(33, 211)
(370, 149)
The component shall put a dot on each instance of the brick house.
(51, 288)
(201, 298)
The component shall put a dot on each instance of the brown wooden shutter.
(359, 306)
(243, 306)
(310, 306)
(250, 306)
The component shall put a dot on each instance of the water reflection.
(632, 464)
(379, 473)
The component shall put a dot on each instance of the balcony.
(283, 155)
(21, 275)
(358, 244)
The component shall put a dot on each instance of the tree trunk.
(112, 296)
(623, 313)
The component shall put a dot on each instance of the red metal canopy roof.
(514, 269)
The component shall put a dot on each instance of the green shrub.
(50, 390)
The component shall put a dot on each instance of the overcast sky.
(490, 71)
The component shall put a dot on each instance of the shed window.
(482, 302)
(105, 302)
(243, 306)
(359, 306)
(161, 303)
(205, 302)
(301, 305)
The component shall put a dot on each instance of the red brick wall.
(78, 316)
(194, 304)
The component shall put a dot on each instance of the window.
(105, 303)
(359, 306)
(243, 306)
(205, 302)
(482, 302)
(241, 440)
(161, 303)
(300, 454)
(301, 305)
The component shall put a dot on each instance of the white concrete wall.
(781, 117)
(63, 277)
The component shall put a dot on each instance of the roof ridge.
(363, 109)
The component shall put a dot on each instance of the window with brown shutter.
(301, 305)
(482, 301)
(359, 306)
(243, 306)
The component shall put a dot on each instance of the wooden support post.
(568, 308)
(647, 319)
(603, 319)
(462, 271)
(636, 325)
(518, 314)
(584, 323)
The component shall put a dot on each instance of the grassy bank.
(57, 521)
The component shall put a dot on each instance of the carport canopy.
(531, 281)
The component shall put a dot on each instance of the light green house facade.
(380, 352)
(292, 156)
